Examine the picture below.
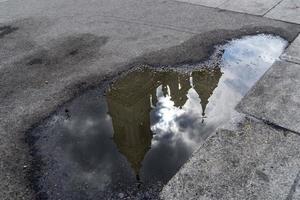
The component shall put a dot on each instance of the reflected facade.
(131, 99)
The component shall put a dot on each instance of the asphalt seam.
(269, 123)
(288, 59)
(240, 12)
(291, 59)
(199, 5)
(163, 26)
(133, 21)
(220, 9)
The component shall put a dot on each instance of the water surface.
(127, 140)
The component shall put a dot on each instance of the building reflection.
(178, 84)
(131, 97)
(204, 83)
(129, 107)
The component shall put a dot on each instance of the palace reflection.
(204, 83)
(131, 97)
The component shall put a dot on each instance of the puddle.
(128, 141)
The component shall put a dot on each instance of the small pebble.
(121, 195)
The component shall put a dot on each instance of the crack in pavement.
(293, 187)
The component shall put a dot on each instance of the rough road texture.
(254, 162)
(51, 51)
(276, 98)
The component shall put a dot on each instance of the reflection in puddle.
(161, 111)
(132, 140)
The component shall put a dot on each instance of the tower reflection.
(129, 107)
(205, 82)
(179, 85)
(130, 100)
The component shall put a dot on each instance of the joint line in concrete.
(293, 187)
(272, 7)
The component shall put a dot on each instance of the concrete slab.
(276, 96)
(292, 54)
(255, 7)
(254, 162)
(209, 3)
(287, 10)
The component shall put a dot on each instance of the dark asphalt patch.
(6, 30)
(68, 51)
(65, 56)
(35, 61)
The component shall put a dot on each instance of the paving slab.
(276, 96)
(256, 161)
(209, 3)
(255, 7)
(287, 10)
(292, 54)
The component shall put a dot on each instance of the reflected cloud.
(167, 97)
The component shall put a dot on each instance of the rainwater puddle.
(128, 142)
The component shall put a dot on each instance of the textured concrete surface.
(255, 7)
(287, 10)
(254, 162)
(51, 51)
(259, 160)
(292, 54)
(210, 3)
(284, 10)
(276, 98)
